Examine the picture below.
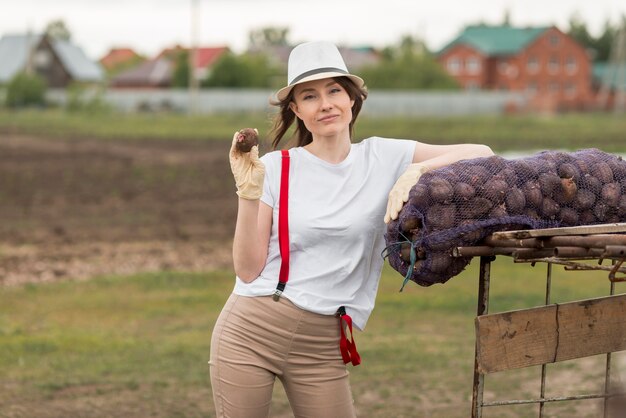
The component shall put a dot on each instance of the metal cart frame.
(551, 246)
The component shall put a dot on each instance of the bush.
(26, 90)
(82, 99)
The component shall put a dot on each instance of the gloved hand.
(399, 193)
(248, 171)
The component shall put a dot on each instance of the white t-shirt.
(336, 227)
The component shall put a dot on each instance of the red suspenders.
(347, 347)
(283, 226)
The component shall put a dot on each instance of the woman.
(340, 195)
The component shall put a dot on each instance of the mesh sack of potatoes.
(462, 203)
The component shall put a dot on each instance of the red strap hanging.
(283, 226)
(347, 347)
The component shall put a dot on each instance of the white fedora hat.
(314, 61)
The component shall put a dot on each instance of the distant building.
(158, 72)
(58, 62)
(119, 57)
(354, 57)
(549, 65)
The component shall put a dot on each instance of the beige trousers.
(256, 340)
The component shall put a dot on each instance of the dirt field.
(80, 208)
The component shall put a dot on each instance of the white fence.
(379, 103)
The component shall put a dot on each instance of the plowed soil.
(80, 208)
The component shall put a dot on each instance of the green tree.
(180, 77)
(246, 70)
(26, 90)
(268, 36)
(407, 66)
(578, 31)
(604, 42)
(601, 46)
(57, 29)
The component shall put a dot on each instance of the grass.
(138, 346)
(502, 133)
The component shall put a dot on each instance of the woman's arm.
(425, 158)
(254, 220)
(252, 236)
(436, 156)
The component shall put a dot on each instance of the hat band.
(317, 71)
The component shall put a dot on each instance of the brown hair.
(285, 116)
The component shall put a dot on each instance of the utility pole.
(193, 54)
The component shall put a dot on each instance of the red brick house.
(543, 61)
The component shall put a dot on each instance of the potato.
(246, 139)
(476, 175)
(584, 200)
(533, 194)
(592, 184)
(549, 183)
(611, 194)
(463, 191)
(440, 190)
(440, 216)
(602, 171)
(476, 207)
(587, 217)
(524, 169)
(568, 171)
(568, 217)
(601, 211)
(495, 190)
(410, 224)
(566, 192)
(440, 262)
(549, 208)
(515, 201)
(418, 196)
(498, 212)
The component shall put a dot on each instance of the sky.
(151, 25)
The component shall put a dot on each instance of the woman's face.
(324, 106)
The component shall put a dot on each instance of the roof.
(156, 72)
(496, 40)
(600, 70)
(206, 55)
(14, 54)
(116, 56)
(76, 62)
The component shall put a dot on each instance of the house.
(58, 62)
(158, 72)
(118, 58)
(609, 85)
(549, 65)
(155, 73)
(205, 57)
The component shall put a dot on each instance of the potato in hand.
(246, 139)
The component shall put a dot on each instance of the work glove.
(248, 170)
(399, 193)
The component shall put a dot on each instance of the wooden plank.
(551, 333)
(571, 230)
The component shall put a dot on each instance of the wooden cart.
(553, 332)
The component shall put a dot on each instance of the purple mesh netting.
(462, 203)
